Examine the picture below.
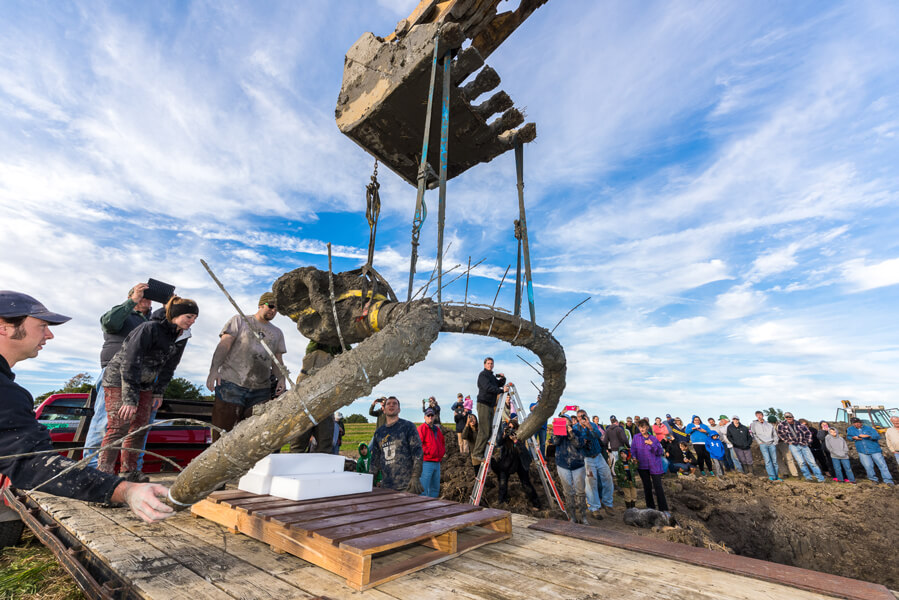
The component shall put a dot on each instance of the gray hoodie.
(837, 446)
(764, 433)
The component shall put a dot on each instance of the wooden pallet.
(367, 538)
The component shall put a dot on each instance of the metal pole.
(519, 170)
(420, 208)
(271, 354)
(441, 203)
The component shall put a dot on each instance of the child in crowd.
(363, 463)
(839, 456)
(625, 471)
(716, 450)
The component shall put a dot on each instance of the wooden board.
(841, 587)
(193, 559)
(360, 537)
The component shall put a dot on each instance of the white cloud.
(865, 276)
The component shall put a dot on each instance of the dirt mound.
(839, 528)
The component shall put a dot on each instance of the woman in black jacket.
(136, 378)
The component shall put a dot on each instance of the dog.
(648, 517)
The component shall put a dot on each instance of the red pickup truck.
(61, 413)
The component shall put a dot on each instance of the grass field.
(29, 571)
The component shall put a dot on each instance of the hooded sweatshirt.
(699, 434)
(715, 447)
(363, 464)
(837, 446)
(764, 433)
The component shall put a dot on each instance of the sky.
(718, 178)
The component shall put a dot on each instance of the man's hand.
(137, 293)
(127, 412)
(144, 500)
(157, 402)
(280, 388)
(212, 381)
(415, 486)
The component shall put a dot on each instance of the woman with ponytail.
(136, 378)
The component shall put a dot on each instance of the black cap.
(17, 304)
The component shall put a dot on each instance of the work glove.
(415, 486)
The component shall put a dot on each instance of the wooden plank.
(403, 535)
(226, 495)
(251, 499)
(291, 569)
(357, 525)
(226, 572)
(315, 511)
(153, 573)
(834, 585)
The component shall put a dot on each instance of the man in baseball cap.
(24, 329)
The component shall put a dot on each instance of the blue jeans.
(736, 461)
(542, 435)
(430, 478)
(678, 467)
(769, 453)
(599, 486)
(868, 461)
(804, 458)
(97, 430)
(232, 393)
(839, 466)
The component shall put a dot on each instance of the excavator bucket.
(384, 96)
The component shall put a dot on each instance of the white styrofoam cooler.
(304, 477)
(298, 464)
(320, 485)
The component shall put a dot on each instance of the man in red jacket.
(433, 448)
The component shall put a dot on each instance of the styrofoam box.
(298, 464)
(320, 485)
(255, 483)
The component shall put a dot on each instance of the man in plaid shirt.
(798, 436)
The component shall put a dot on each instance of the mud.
(844, 529)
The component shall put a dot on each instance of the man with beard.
(242, 369)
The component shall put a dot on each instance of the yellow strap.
(344, 296)
(358, 294)
(373, 315)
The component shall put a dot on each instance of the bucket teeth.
(383, 101)
(467, 62)
(485, 81)
(498, 102)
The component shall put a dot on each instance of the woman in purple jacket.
(648, 452)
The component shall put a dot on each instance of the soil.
(839, 528)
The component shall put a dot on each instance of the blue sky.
(720, 178)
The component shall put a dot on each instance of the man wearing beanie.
(242, 370)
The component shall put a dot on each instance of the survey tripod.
(517, 408)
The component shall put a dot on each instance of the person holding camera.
(489, 387)
(377, 410)
(117, 323)
(136, 378)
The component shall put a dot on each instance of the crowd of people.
(142, 349)
(594, 460)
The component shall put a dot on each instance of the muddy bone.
(388, 337)
(383, 97)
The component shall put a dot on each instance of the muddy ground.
(840, 528)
